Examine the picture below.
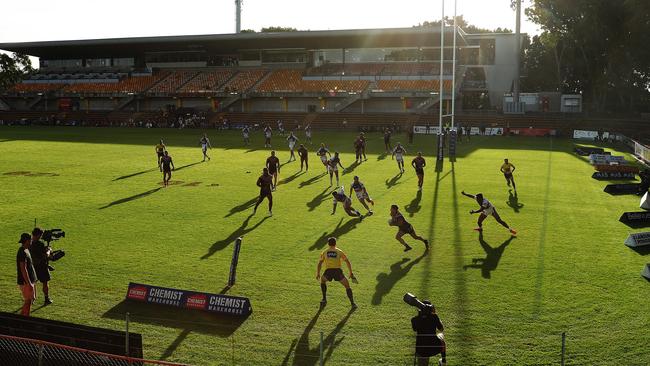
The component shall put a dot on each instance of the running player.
(387, 139)
(324, 155)
(265, 182)
(339, 196)
(304, 157)
(267, 136)
(362, 193)
(358, 149)
(167, 167)
(507, 169)
(292, 139)
(334, 163)
(486, 210)
(246, 134)
(205, 144)
(332, 257)
(363, 145)
(418, 163)
(160, 152)
(397, 219)
(308, 133)
(280, 128)
(273, 165)
(398, 154)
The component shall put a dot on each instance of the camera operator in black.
(427, 342)
(40, 254)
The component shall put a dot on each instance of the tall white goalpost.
(452, 112)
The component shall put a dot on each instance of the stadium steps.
(165, 75)
(4, 106)
(34, 102)
(340, 106)
(124, 102)
(197, 73)
(428, 103)
(261, 80)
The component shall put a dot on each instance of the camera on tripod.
(412, 300)
(50, 236)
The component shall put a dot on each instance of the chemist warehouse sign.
(224, 304)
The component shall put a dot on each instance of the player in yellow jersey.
(507, 169)
(160, 152)
(332, 258)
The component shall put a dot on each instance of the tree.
(13, 69)
(462, 23)
(277, 29)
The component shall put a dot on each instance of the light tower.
(238, 4)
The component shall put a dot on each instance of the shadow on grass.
(320, 198)
(290, 178)
(513, 201)
(382, 156)
(240, 231)
(135, 174)
(132, 198)
(645, 250)
(187, 166)
(340, 230)
(393, 181)
(304, 355)
(312, 180)
(242, 207)
(351, 168)
(386, 281)
(414, 206)
(492, 257)
(189, 321)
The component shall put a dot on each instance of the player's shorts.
(488, 211)
(42, 273)
(266, 194)
(399, 158)
(361, 195)
(386, 140)
(246, 136)
(419, 171)
(160, 154)
(291, 145)
(204, 147)
(167, 169)
(323, 159)
(508, 175)
(335, 274)
(334, 168)
(273, 171)
(406, 229)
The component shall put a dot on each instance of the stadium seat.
(207, 81)
(244, 80)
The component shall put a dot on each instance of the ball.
(390, 221)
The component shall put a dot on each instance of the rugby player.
(308, 133)
(246, 134)
(332, 258)
(387, 139)
(323, 154)
(267, 136)
(358, 149)
(167, 167)
(304, 157)
(398, 154)
(486, 210)
(160, 152)
(265, 182)
(292, 139)
(205, 143)
(339, 196)
(362, 193)
(334, 163)
(362, 137)
(273, 165)
(418, 163)
(397, 219)
(507, 169)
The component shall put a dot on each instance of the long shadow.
(645, 250)
(242, 207)
(513, 201)
(414, 206)
(312, 180)
(492, 257)
(250, 150)
(135, 174)
(382, 156)
(134, 197)
(386, 281)
(290, 178)
(240, 231)
(340, 230)
(187, 165)
(7, 140)
(539, 278)
(197, 321)
(351, 168)
(320, 198)
(393, 181)
(304, 355)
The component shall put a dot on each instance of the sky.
(46, 20)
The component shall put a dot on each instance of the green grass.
(567, 270)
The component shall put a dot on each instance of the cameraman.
(40, 255)
(427, 342)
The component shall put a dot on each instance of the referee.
(332, 257)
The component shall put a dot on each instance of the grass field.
(567, 270)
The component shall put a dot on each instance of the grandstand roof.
(128, 47)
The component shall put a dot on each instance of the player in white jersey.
(292, 139)
(398, 154)
(361, 193)
(333, 164)
(246, 134)
(267, 136)
(324, 155)
(486, 209)
(308, 133)
(205, 144)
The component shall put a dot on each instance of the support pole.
(442, 57)
(453, 73)
(238, 16)
(515, 93)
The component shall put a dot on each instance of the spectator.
(41, 253)
(26, 276)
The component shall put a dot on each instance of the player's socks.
(426, 244)
(270, 213)
(323, 289)
(513, 231)
(348, 291)
(478, 228)
(407, 248)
